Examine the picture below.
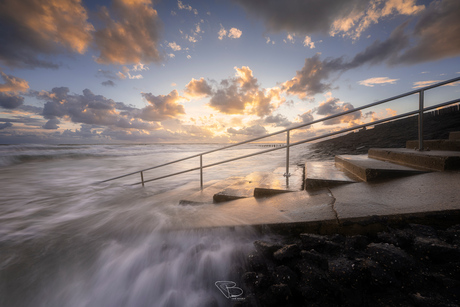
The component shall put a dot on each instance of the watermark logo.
(229, 289)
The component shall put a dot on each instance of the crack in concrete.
(333, 207)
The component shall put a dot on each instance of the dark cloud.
(10, 101)
(255, 130)
(302, 16)
(31, 29)
(132, 37)
(108, 83)
(52, 124)
(90, 109)
(13, 84)
(5, 125)
(306, 117)
(333, 106)
(277, 120)
(436, 34)
(107, 74)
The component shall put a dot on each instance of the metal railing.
(421, 109)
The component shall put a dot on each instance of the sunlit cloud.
(234, 33)
(133, 37)
(307, 42)
(34, 28)
(420, 84)
(162, 106)
(174, 46)
(198, 88)
(371, 82)
(13, 84)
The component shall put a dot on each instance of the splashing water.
(67, 242)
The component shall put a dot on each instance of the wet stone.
(287, 252)
(391, 257)
(266, 248)
(436, 250)
(284, 275)
(315, 258)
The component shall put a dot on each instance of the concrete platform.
(320, 174)
(433, 160)
(350, 209)
(368, 169)
(261, 184)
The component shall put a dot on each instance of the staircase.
(386, 163)
(379, 164)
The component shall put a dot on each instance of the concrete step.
(454, 136)
(263, 184)
(321, 174)
(368, 169)
(434, 160)
(206, 195)
(450, 145)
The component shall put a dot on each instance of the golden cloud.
(131, 39)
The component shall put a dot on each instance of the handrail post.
(287, 175)
(201, 172)
(420, 120)
(142, 178)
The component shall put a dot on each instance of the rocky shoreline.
(418, 265)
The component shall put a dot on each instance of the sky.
(142, 71)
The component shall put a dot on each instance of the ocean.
(66, 241)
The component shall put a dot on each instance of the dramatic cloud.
(377, 81)
(52, 124)
(348, 18)
(89, 109)
(162, 106)
(436, 33)
(306, 117)
(198, 88)
(13, 84)
(10, 101)
(309, 80)
(333, 106)
(30, 28)
(255, 130)
(133, 37)
(243, 95)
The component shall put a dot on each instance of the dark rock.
(266, 248)
(342, 270)
(423, 231)
(284, 275)
(397, 237)
(257, 263)
(312, 241)
(319, 243)
(357, 242)
(391, 258)
(316, 259)
(436, 250)
(287, 252)
(376, 274)
(278, 295)
(337, 238)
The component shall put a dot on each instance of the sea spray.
(65, 241)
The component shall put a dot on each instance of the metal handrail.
(421, 109)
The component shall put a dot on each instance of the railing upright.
(420, 119)
(287, 174)
(201, 172)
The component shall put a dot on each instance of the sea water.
(66, 241)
